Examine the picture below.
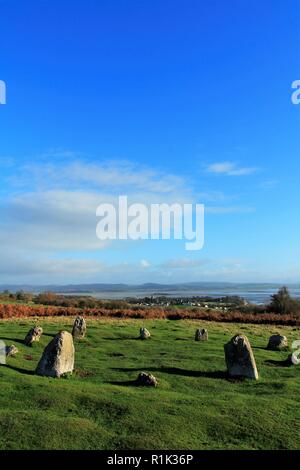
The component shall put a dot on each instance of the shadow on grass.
(218, 374)
(20, 370)
(284, 363)
(126, 383)
(271, 350)
(14, 340)
(125, 338)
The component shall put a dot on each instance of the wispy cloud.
(229, 169)
(6, 161)
(184, 263)
(48, 219)
(145, 263)
(229, 209)
(268, 184)
(112, 175)
(58, 154)
(43, 269)
(51, 221)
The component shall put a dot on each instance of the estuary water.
(256, 293)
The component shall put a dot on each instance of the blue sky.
(161, 100)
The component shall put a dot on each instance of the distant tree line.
(60, 300)
(19, 296)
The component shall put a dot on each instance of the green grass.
(194, 407)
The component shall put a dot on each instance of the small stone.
(79, 328)
(11, 351)
(277, 343)
(144, 333)
(58, 356)
(201, 334)
(239, 358)
(33, 335)
(293, 359)
(147, 380)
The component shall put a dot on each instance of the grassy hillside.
(194, 407)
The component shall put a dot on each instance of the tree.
(23, 296)
(46, 298)
(282, 302)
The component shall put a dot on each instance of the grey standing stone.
(33, 335)
(201, 334)
(239, 358)
(147, 380)
(277, 343)
(58, 356)
(2, 352)
(79, 328)
(293, 359)
(144, 333)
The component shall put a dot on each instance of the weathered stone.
(147, 380)
(201, 334)
(293, 359)
(58, 356)
(11, 350)
(79, 328)
(277, 343)
(239, 358)
(33, 335)
(2, 352)
(144, 333)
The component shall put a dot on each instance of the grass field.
(195, 406)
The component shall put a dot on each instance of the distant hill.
(150, 287)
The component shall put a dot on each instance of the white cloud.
(40, 269)
(144, 263)
(58, 153)
(44, 230)
(59, 212)
(109, 175)
(50, 221)
(184, 263)
(19, 267)
(229, 169)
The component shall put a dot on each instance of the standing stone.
(11, 350)
(33, 335)
(147, 380)
(144, 333)
(2, 352)
(79, 328)
(201, 334)
(277, 343)
(239, 358)
(293, 359)
(58, 356)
